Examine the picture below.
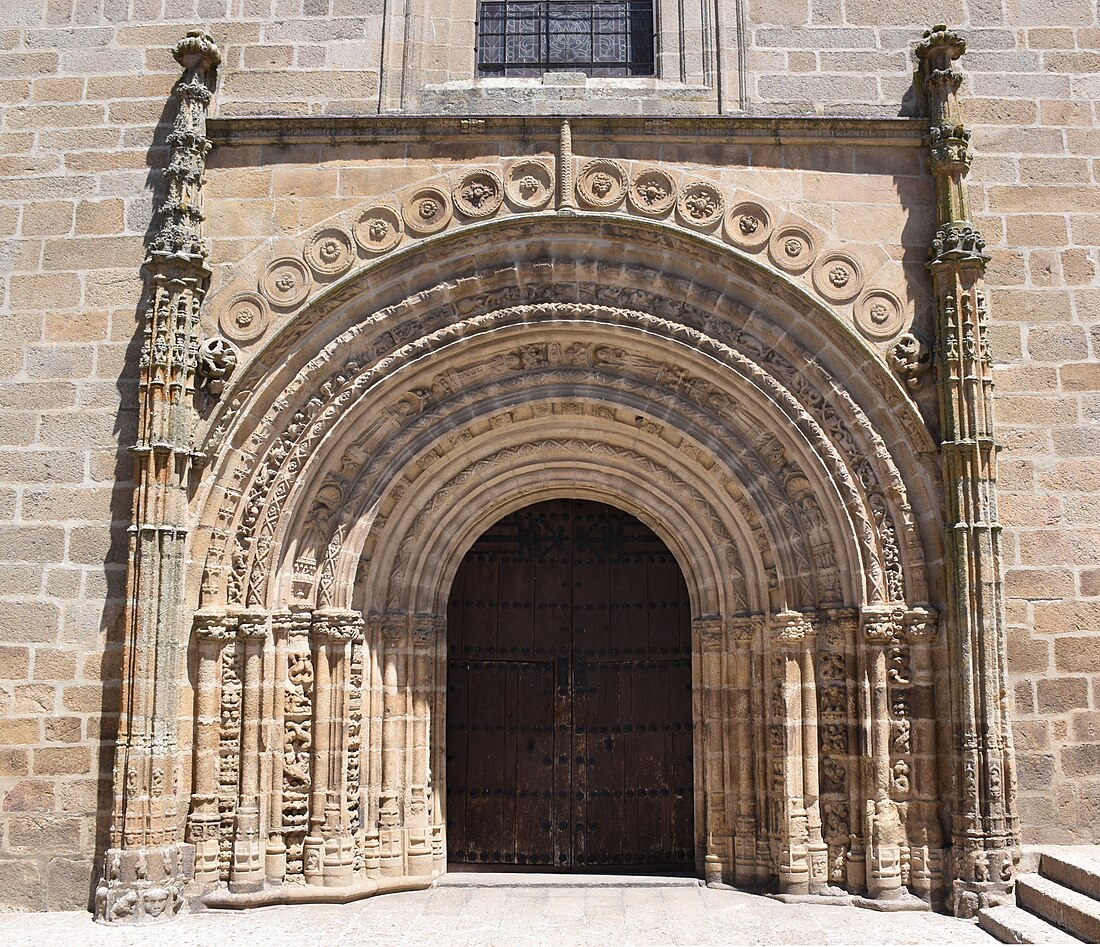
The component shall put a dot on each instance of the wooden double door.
(569, 712)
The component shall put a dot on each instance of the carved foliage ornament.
(478, 194)
(378, 229)
(330, 252)
(652, 192)
(529, 185)
(602, 183)
(427, 210)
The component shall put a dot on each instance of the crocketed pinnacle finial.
(197, 50)
(942, 44)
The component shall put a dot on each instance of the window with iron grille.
(597, 37)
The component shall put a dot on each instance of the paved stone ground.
(505, 917)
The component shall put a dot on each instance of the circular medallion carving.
(244, 319)
(427, 211)
(285, 282)
(602, 183)
(529, 185)
(378, 229)
(478, 194)
(879, 314)
(700, 204)
(652, 192)
(330, 252)
(837, 277)
(791, 248)
(748, 225)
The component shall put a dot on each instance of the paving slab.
(455, 916)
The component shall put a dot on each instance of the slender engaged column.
(709, 638)
(275, 852)
(788, 632)
(147, 863)
(247, 871)
(395, 634)
(744, 633)
(329, 848)
(212, 630)
(883, 829)
(817, 850)
(419, 844)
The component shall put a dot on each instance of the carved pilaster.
(147, 862)
(985, 830)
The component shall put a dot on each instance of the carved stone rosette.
(985, 830)
(147, 862)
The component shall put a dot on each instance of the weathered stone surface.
(83, 154)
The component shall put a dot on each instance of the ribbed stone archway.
(578, 359)
(308, 527)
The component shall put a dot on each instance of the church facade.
(577, 436)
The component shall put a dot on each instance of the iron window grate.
(602, 38)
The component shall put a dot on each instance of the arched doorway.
(569, 705)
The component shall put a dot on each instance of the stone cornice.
(378, 129)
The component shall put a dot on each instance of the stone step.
(1072, 911)
(1073, 869)
(1013, 925)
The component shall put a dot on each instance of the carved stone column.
(745, 635)
(710, 748)
(391, 818)
(985, 827)
(147, 862)
(882, 826)
(275, 861)
(418, 802)
(212, 628)
(789, 631)
(914, 738)
(247, 872)
(329, 850)
(817, 850)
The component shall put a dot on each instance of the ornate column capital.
(790, 628)
(881, 624)
(922, 624)
(709, 632)
(214, 624)
(427, 629)
(336, 625)
(253, 624)
(743, 630)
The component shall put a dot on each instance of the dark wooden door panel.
(569, 714)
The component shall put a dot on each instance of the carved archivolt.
(364, 450)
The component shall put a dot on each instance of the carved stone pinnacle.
(197, 50)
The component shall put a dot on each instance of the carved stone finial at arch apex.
(985, 826)
(147, 861)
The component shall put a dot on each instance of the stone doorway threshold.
(464, 876)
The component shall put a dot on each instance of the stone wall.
(85, 87)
